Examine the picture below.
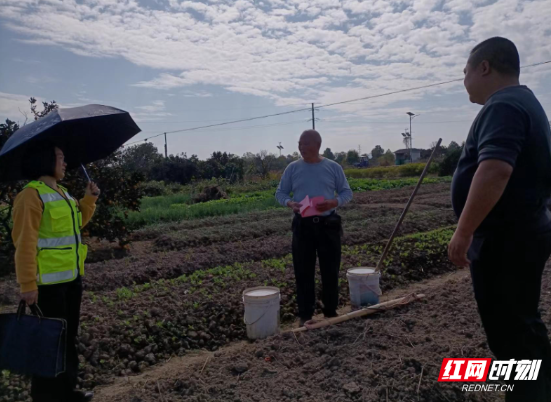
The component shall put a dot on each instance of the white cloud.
(196, 94)
(40, 79)
(155, 111)
(15, 107)
(290, 51)
(155, 106)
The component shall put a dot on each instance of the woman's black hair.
(39, 160)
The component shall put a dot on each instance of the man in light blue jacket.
(315, 176)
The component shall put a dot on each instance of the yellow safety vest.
(60, 252)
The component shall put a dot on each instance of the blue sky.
(177, 64)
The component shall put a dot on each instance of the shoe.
(303, 321)
(88, 396)
(330, 314)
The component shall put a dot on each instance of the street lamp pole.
(280, 147)
(411, 116)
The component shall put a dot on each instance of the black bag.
(32, 344)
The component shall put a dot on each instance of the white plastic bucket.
(364, 286)
(261, 311)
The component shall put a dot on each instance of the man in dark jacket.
(500, 192)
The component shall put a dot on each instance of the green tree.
(442, 150)
(291, 158)
(222, 165)
(454, 146)
(47, 107)
(260, 164)
(352, 157)
(340, 157)
(449, 164)
(388, 158)
(377, 152)
(8, 191)
(175, 169)
(280, 164)
(328, 154)
(141, 158)
(120, 193)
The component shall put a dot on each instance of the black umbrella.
(86, 134)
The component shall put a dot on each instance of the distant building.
(403, 155)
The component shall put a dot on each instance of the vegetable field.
(163, 320)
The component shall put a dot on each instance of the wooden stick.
(296, 339)
(419, 385)
(360, 313)
(160, 392)
(406, 209)
(204, 365)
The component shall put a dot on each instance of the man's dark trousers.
(506, 269)
(61, 301)
(321, 235)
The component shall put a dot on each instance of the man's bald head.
(309, 145)
(311, 135)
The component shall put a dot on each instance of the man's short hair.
(39, 160)
(501, 53)
(314, 134)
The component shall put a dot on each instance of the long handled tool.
(360, 313)
(406, 209)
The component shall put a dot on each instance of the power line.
(228, 129)
(258, 125)
(191, 121)
(225, 123)
(401, 123)
(248, 107)
(415, 88)
(321, 106)
(391, 93)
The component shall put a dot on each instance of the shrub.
(449, 164)
(409, 170)
(160, 188)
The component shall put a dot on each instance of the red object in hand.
(308, 207)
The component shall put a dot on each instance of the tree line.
(121, 176)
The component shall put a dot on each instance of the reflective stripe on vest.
(57, 277)
(51, 197)
(58, 241)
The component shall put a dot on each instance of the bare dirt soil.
(391, 356)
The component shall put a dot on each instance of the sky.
(177, 64)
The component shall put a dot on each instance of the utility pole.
(313, 118)
(166, 148)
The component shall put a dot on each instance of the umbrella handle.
(88, 178)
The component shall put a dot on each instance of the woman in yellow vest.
(49, 258)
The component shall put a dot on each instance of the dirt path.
(380, 358)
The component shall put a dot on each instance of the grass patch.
(178, 207)
(173, 212)
(409, 170)
(359, 185)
